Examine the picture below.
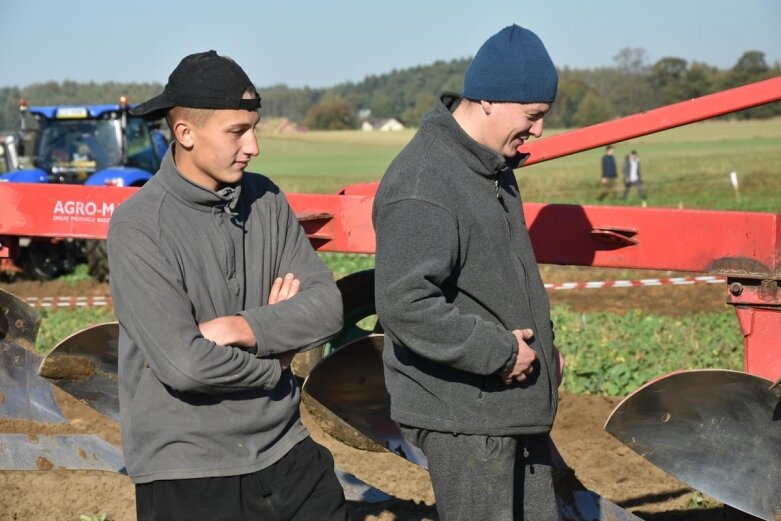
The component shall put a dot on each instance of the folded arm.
(152, 306)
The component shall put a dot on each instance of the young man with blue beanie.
(470, 364)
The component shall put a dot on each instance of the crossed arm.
(234, 330)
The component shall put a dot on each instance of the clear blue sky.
(321, 43)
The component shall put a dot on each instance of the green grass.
(79, 274)
(685, 167)
(58, 324)
(324, 162)
(343, 264)
(613, 354)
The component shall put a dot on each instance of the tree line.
(585, 97)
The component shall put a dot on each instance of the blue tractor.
(96, 145)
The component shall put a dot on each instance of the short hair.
(609, 147)
(196, 116)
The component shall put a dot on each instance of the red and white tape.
(69, 302)
(671, 281)
(79, 302)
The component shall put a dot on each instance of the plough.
(719, 431)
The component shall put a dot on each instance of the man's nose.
(536, 129)
(251, 147)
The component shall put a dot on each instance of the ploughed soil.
(601, 463)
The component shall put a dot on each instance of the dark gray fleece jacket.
(180, 255)
(455, 274)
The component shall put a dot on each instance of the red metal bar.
(55, 210)
(746, 244)
(739, 244)
(655, 120)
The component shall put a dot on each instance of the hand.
(228, 331)
(524, 360)
(283, 289)
(559, 358)
(604, 180)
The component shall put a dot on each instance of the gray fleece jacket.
(455, 274)
(180, 255)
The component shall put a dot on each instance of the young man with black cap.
(470, 364)
(216, 287)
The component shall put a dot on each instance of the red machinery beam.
(738, 244)
(655, 120)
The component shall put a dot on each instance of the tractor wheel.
(44, 259)
(358, 304)
(97, 259)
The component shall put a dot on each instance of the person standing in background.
(632, 175)
(609, 174)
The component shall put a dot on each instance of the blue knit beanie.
(512, 65)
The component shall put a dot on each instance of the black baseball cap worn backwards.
(202, 81)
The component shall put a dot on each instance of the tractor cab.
(92, 145)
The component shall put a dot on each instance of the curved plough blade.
(19, 322)
(357, 291)
(23, 395)
(59, 452)
(33, 431)
(357, 490)
(718, 431)
(349, 384)
(85, 366)
(348, 387)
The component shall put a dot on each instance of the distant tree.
(423, 103)
(751, 67)
(702, 79)
(631, 60)
(591, 110)
(9, 108)
(332, 113)
(283, 101)
(627, 92)
(383, 105)
(572, 89)
(674, 80)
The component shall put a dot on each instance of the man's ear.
(183, 133)
(487, 107)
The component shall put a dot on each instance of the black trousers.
(302, 486)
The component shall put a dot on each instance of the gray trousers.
(496, 478)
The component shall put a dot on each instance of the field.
(614, 339)
(686, 167)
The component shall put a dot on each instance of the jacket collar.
(193, 194)
(477, 156)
